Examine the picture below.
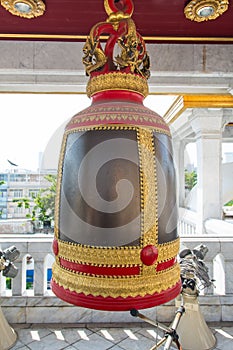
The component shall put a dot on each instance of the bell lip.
(115, 304)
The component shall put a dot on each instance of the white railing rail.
(219, 260)
(187, 222)
(35, 254)
(39, 305)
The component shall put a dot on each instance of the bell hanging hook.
(126, 7)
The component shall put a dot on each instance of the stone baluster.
(2, 285)
(39, 273)
(17, 286)
(226, 251)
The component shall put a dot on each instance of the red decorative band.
(100, 270)
(166, 264)
(117, 95)
(118, 107)
(117, 118)
(157, 128)
(115, 304)
(111, 271)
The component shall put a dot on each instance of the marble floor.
(117, 337)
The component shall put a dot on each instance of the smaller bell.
(193, 331)
(8, 335)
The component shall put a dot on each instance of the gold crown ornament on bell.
(116, 241)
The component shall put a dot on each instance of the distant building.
(19, 184)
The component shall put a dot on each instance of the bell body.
(116, 217)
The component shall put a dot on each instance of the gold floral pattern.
(116, 286)
(117, 81)
(113, 256)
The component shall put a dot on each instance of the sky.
(30, 123)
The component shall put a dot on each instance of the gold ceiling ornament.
(204, 10)
(24, 8)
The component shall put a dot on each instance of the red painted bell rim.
(119, 95)
(116, 304)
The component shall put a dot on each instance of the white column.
(207, 125)
(179, 146)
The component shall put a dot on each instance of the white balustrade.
(26, 305)
(38, 248)
(219, 260)
(187, 222)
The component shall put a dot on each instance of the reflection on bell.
(116, 238)
(194, 334)
(8, 336)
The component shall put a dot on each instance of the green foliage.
(29, 285)
(25, 203)
(44, 202)
(8, 283)
(229, 204)
(190, 179)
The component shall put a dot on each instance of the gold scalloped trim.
(116, 287)
(117, 81)
(113, 256)
(106, 118)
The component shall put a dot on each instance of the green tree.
(44, 202)
(190, 179)
(229, 204)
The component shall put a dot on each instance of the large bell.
(116, 236)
